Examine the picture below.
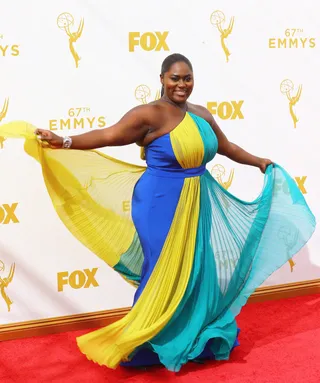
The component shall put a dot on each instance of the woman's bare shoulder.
(149, 113)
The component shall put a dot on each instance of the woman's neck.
(183, 106)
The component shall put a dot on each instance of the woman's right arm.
(132, 127)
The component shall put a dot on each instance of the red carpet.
(280, 343)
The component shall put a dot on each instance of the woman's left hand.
(264, 163)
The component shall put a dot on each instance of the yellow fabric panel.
(162, 294)
(78, 182)
(142, 153)
(187, 143)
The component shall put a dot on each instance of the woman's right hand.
(49, 139)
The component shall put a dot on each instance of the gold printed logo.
(218, 19)
(143, 93)
(226, 110)
(65, 21)
(3, 113)
(6, 50)
(77, 279)
(301, 183)
(219, 172)
(293, 39)
(8, 213)
(149, 41)
(4, 283)
(290, 237)
(287, 88)
(78, 118)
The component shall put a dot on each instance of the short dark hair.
(169, 61)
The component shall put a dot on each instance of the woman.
(194, 251)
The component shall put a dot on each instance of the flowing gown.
(194, 251)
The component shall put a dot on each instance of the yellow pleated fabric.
(169, 279)
(187, 143)
(162, 294)
(78, 183)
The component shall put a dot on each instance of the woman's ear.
(162, 80)
(162, 85)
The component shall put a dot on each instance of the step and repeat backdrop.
(72, 66)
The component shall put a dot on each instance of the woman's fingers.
(43, 134)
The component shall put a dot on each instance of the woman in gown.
(194, 251)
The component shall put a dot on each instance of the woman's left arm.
(237, 154)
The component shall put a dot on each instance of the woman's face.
(178, 82)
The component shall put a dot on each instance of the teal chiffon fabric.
(239, 245)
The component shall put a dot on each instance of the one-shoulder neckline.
(168, 133)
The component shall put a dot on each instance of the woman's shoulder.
(152, 107)
(148, 112)
(200, 111)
